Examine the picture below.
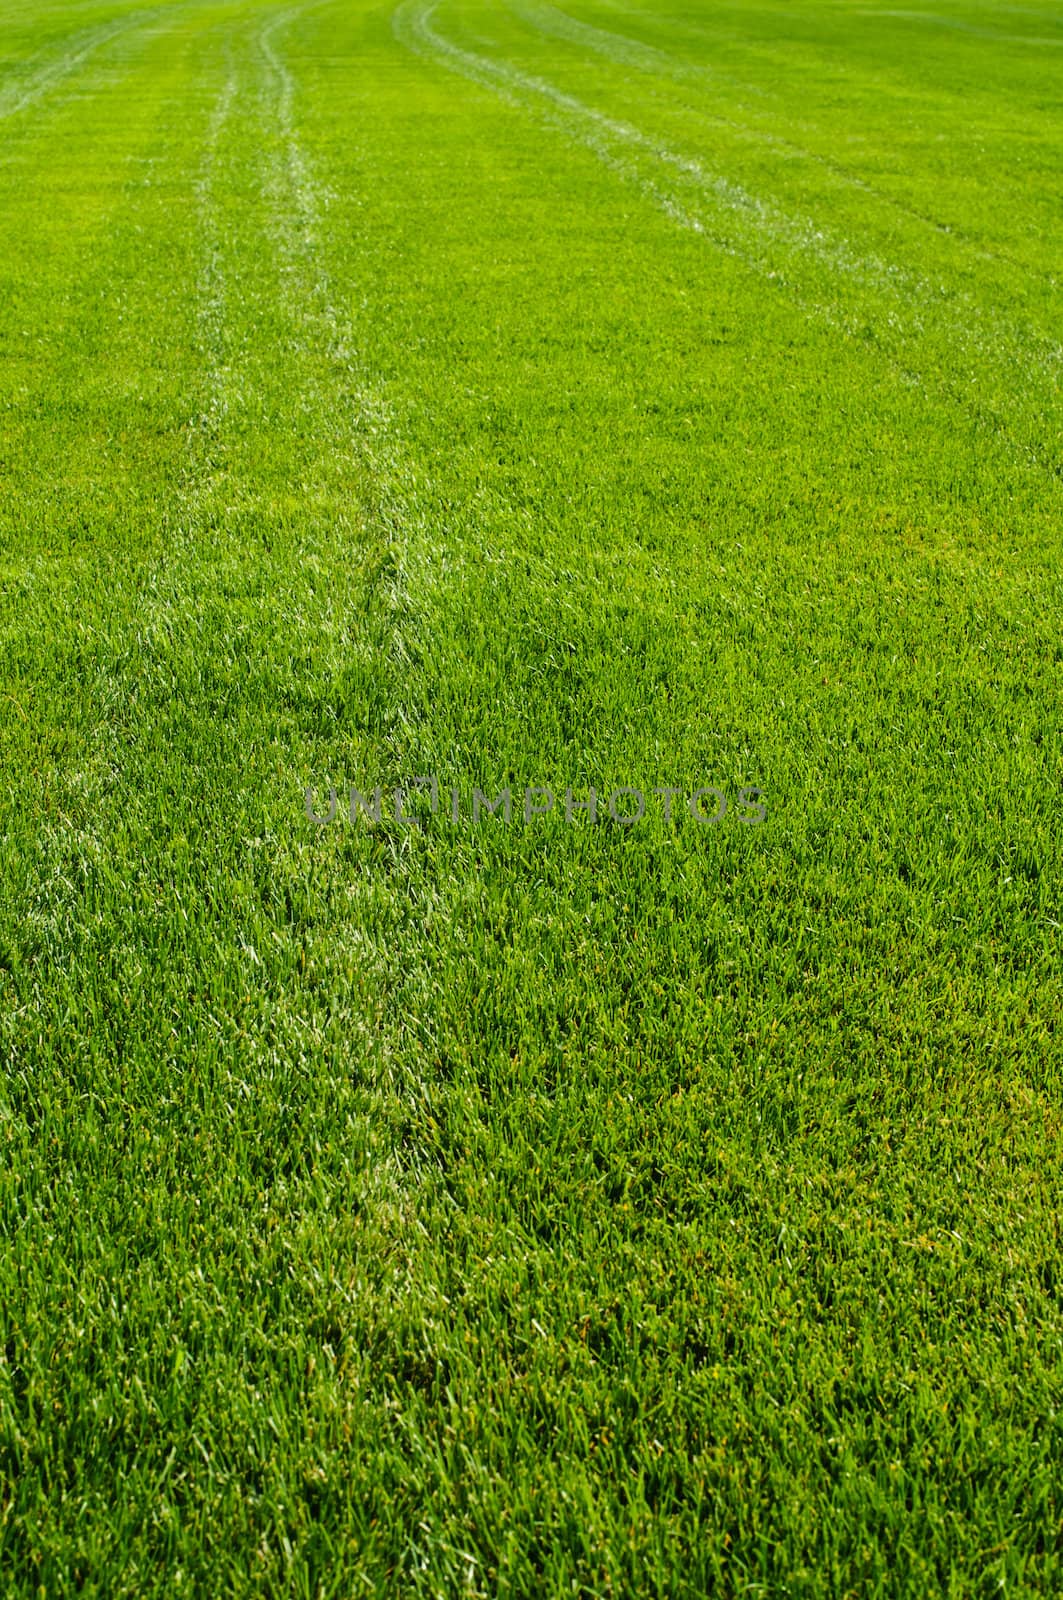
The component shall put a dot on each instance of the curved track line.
(619, 48)
(982, 344)
(19, 96)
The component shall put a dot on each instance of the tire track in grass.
(344, 452)
(196, 1003)
(167, 1112)
(247, 298)
(201, 589)
(332, 427)
(400, 1189)
(591, 128)
(34, 86)
(622, 50)
(298, 202)
(361, 423)
(945, 342)
(250, 981)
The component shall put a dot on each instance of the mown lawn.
(614, 396)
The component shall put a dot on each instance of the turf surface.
(621, 396)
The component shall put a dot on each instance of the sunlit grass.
(621, 397)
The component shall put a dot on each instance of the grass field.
(614, 395)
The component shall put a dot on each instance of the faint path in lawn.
(352, 412)
(280, 372)
(279, 561)
(342, 395)
(937, 339)
(622, 50)
(212, 298)
(35, 84)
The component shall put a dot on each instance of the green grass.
(619, 395)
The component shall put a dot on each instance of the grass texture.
(612, 396)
